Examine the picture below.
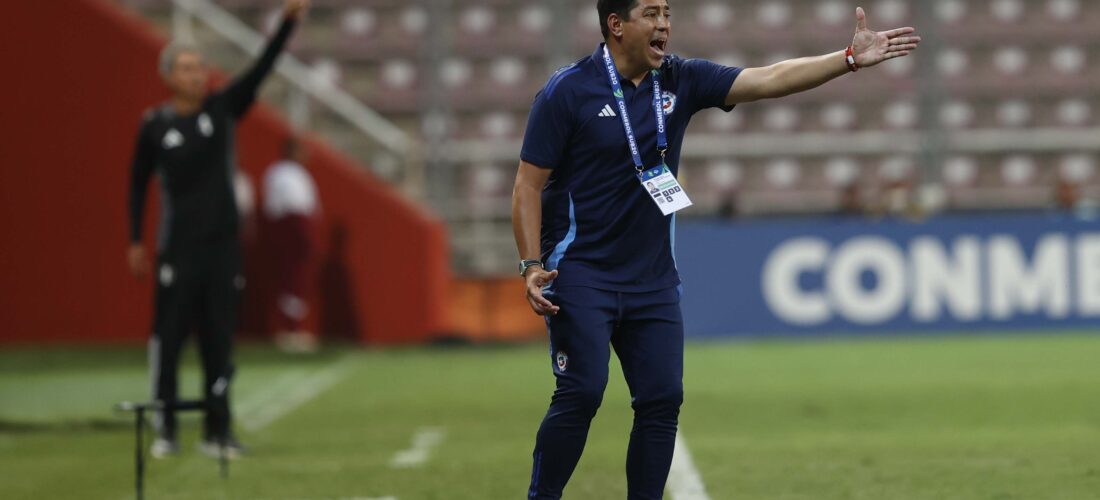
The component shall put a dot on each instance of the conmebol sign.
(836, 276)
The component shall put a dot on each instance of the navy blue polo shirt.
(599, 227)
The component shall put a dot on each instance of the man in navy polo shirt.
(594, 217)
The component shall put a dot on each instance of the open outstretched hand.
(872, 47)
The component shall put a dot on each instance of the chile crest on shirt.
(668, 102)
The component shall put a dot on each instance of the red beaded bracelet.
(850, 58)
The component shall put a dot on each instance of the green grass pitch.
(982, 418)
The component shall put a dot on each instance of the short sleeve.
(710, 82)
(549, 127)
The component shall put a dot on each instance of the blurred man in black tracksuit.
(189, 143)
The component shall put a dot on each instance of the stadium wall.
(494, 310)
(78, 76)
(949, 274)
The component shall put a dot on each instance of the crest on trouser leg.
(562, 360)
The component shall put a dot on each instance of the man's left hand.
(872, 47)
(295, 9)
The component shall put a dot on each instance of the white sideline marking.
(271, 391)
(684, 481)
(423, 441)
(288, 396)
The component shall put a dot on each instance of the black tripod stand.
(139, 410)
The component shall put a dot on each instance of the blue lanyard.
(658, 107)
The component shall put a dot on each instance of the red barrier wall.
(77, 76)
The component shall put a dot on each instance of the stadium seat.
(1063, 10)
(1007, 11)
(783, 173)
(960, 172)
(1013, 113)
(1074, 112)
(901, 114)
(359, 22)
(841, 171)
(1077, 168)
(833, 13)
(1018, 170)
(950, 12)
(956, 114)
(781, 118)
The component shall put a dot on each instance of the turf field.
(989, 418)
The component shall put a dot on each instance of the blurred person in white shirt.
(292, 208)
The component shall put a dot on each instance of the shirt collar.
(597, 56)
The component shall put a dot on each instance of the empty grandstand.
(972, 123)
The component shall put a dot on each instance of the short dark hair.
(608, 7)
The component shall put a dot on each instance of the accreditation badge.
(665, 190)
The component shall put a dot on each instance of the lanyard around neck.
(658, 108)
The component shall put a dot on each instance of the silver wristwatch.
(524, 264)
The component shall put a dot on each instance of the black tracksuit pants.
(198, 289)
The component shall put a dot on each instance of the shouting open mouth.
(657, 46)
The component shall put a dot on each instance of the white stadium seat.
(956, 114)
(1018, 170)
(950, 11)
(1010, 60)
(783, 173)
(781, 118)
(456, 72)
(1078, 168)
(414, 20)
(724, 175)
(1074, 112)
(1068, 59)
(508, 71)
(901, 114)
(891, 12)
(358, 21)
(834, 12)
(1013, 113)
(960, 171)
(841, 171)
(478, 20)
(1063, 10)
(1007, 11)
(714, 15)
(774, 13)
